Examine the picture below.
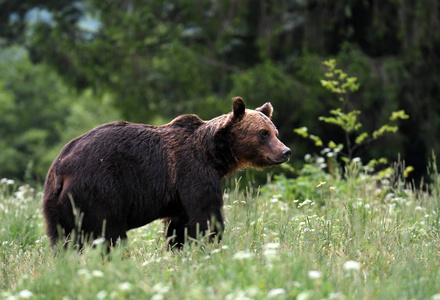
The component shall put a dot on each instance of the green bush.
(39, 115)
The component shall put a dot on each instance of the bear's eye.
(264, 133)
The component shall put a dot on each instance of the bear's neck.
(217, 147)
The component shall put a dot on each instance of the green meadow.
(319, 236)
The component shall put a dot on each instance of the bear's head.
(253, 136)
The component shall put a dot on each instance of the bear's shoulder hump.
(187, 121)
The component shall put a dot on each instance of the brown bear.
(122, 175)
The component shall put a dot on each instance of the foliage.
(341, 84)
(303, 187)
(148, 56)
(33, 103)
(39, 115)
(352, 239)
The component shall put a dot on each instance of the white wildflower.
(304, 295)
(305, 202)
(324, 151)
(321, 184)
(271, 246)
(314, 274)
(274, 200)
(157, 297)
(97, 273)
(25, 294)
(101, 295)
(84, 273)
(161, 288)
(337, 150)
(276, 292)
(337, 295)
(237, 295)
(241, 255)
(352, 265)
(320, 160)
(270, 249)
(125, 286)
(216, 251)
(356, 160)
(389, 197)
(99, 241)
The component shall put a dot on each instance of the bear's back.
(112, 143)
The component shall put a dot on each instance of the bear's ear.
(238, 107)
(266, 109)
(238, 111)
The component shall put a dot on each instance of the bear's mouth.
(277, 161)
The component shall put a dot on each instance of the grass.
(355, 238)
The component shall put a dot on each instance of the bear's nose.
(286, 152)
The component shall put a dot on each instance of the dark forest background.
(67, 66)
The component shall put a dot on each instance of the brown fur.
(122, 175)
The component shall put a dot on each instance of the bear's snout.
(282, 154)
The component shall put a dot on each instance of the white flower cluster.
(5, 181)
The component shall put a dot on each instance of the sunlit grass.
(353, 239)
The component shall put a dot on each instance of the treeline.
(66, 66)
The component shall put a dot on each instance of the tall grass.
(356, 238)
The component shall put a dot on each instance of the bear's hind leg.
(59, 226)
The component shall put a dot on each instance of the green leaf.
(347, 121)
(408, 170)
(399, 115)
(345, 159)
(342, 76)
(386, 173)
(324, 83)
(383, 129)
(331, 120)
(302, 131)
(383, 160)
(331, 63)
(317, 140)
(361, 138)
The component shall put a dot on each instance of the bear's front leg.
(180, 229)
(209, 224)
(201, 197)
